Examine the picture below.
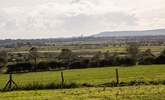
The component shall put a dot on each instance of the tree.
(146, 57)
(107, 55)
(126, 61)
(33, 53)
(161, 58)
(162, 53)
(96, 59)
(3, 58)
(67, 56)
(133, 50)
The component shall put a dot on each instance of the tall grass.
(40, 86)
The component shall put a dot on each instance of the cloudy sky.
(67, 18)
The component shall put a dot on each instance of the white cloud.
(58, 18)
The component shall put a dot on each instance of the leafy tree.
(3, 58)
(133, 50)
(55, 64)
(43, 66)
(110, 58)
(147, 61)
(33, 53)
(162, 53)
(67, 56)
(96, 59)
(125, 61)
(19, 67)
(107, 55)
(161, 58)
(146, 57)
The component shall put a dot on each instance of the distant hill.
(130, 33)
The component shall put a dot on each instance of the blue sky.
(67, 18)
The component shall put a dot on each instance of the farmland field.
(90, 75)
(74, 49)
(118, 93)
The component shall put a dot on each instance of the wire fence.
(101, 79)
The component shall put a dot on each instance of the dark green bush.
(126, 61)
(160, 60)
(55, 64)
(147, 61)
(19, 67)
(42, 66)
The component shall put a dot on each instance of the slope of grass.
(118, 93)
(90, 75)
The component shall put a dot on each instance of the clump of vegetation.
(40, 86)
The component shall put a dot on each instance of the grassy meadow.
(90, 75)
(118, 93)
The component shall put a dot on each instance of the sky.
(69, 18)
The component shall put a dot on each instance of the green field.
(90, 75)
(118, 93)
(76, 49)
(142, 48)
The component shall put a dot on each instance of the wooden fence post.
(62, 79)
(117, 77)
(8, 85)
(10, 80)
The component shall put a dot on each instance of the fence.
(11, 84)
(87, 77)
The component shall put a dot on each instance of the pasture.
(90, 75)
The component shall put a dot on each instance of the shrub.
(11, 68)
(19, 67)
(94, 63)
(147, 60)
(127, 61)
(43, 66)
(160, 60)
(79, 64)
(85, 63)
(55, 64)
(75, 65)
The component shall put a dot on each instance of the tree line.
(69, 60)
